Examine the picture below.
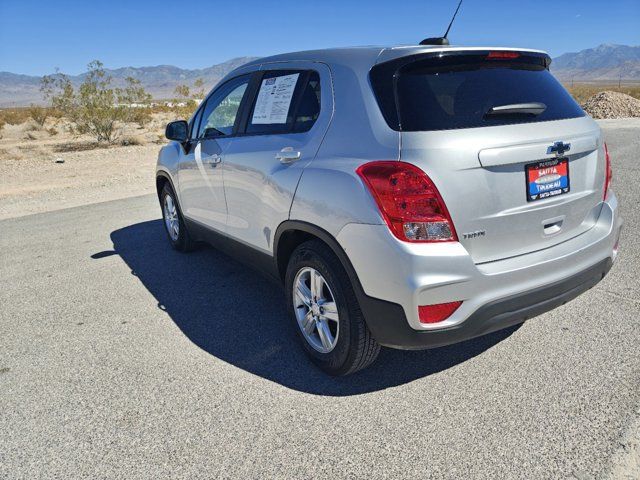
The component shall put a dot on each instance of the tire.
(179, 240)
(354, 348)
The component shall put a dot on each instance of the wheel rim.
(171, 221)
(316, 310)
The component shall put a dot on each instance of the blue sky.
(37, 36)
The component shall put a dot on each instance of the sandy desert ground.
(43, 172)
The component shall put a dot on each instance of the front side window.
(221, 111)
(286, 102)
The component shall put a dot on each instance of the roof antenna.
(442, 40)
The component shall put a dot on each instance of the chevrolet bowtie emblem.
(559, 148)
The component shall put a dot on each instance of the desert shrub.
(199, 92)
(182, 91)
(95, 108)
(134, 102)
(141, 116)
(54, 113)
(91, 108)
(186, 110)
(187, 99)
(38, 114)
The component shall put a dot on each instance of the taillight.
(408, 201)
(438, 312)
(608, 175)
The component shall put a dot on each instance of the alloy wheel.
(171, 221)
(316, 310)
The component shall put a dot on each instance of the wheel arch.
(292, 233)
(162, 178)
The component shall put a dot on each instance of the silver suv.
(410, 197)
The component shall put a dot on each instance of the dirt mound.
(612, 105)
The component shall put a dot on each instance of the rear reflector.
(616, 246)
(502, 55)
(438, 312)
(608, 173)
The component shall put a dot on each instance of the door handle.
(288, 155)
(212, 160)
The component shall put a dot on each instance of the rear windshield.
(460, 91)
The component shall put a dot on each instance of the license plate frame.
(547, 179)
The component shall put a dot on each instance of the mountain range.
(160, 81)
(606, 63)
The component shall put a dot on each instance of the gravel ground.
(612, 105)
(121, 358)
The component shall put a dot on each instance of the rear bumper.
(394, 331)
(397, 277)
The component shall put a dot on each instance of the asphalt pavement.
(120, 358)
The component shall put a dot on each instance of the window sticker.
(274, 99)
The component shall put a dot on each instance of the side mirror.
(178, 131)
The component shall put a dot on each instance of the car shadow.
(237, 315)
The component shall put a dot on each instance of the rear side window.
(463, 91)
(286, 102)
(308, 105)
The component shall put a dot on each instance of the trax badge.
(476, 234)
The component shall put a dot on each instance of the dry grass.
(131, 140)
(32, 127)
(14, 116)
(176, 112)
(583, 91)
(79, 146)
(12, 153)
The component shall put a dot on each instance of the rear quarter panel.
(330, 193)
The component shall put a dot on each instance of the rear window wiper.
(517, 109)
